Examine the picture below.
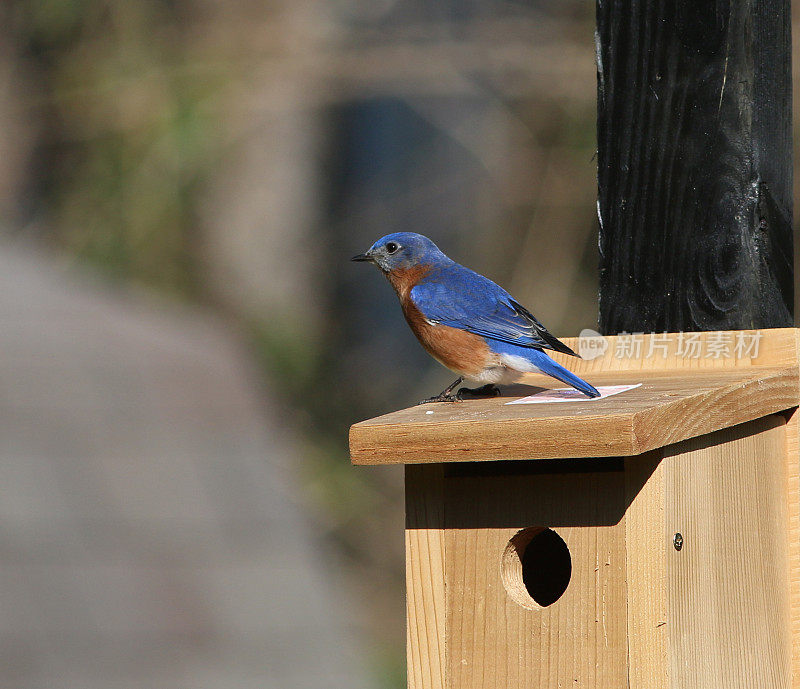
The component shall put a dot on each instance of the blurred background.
(184, 342)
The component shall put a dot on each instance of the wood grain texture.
(680, 398)
(694, 165)
(793, 508)
(646, 552)
(578, 641)
(728, 587)
(425, 582)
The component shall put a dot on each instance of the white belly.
(508, 369)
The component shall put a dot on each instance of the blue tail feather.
(546, 365)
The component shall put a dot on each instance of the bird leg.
(446, 395)
(488, 390)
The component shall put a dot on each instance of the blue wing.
(460, 298)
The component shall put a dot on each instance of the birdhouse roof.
(689, 384)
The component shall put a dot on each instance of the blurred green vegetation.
(295, 370)
(129, 137)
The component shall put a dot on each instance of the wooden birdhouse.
(649, 539)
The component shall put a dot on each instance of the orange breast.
(465, 353)
(404, 280)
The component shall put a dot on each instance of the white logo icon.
(591, 344)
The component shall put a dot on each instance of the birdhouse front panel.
(532, 558)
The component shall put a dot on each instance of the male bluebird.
(464, 320)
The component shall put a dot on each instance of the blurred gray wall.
(150, 533)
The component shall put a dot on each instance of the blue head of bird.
(402, 250)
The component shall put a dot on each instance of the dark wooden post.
(694, 164)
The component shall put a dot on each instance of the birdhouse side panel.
(728, 589)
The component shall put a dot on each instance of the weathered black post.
(694, 164)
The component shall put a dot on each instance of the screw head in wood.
(677, 541)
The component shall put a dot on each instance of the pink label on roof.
(572, 395)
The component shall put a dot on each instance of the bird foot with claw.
(489, 390)
(442, 397)
(447, 394)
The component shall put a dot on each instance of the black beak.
(361, 257)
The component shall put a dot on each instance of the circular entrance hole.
(536, 567)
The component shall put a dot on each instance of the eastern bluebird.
(464, 320)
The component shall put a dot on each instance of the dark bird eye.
(391, 247)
